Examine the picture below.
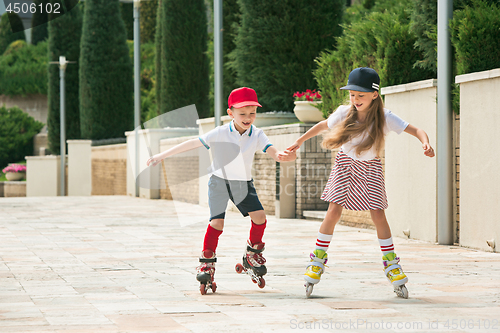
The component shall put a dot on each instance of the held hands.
(428, 151)
(287, 156)
(293, 148)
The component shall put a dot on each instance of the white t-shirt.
(392, 123)
(232, 152)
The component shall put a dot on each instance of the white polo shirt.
(392, 123)
(232, 152)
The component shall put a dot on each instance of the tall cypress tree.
(39, 30)
(64, 40)
(106, 78)
(182, 63)
(277, 44)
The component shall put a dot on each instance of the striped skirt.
(356, 185)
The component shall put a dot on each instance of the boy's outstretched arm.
(315, 130)
(281, 156)
(422, 136)
(180, 148)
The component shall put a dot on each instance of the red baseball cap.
(242, 97)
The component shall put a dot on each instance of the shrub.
(148, 80)
(18, 129)
(475, 30)
(424, 26)
(276, 45)
(65, 32)
(382, 41)
(23, 69)
(476, 37)
(7, 21)
(148, 20)
(106, 76)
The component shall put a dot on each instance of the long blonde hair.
(349, 128)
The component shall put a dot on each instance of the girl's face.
(362, 100)
(243, 117)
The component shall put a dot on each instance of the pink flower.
(14, 168)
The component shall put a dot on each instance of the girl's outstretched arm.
(315, 130)
(422, 136)
(180, 148)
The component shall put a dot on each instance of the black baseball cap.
(363, 79)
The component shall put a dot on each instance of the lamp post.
(444, 142)
(218, 61)
(137, 86)
(62, 112)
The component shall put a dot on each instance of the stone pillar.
(479, 160)
(42, 176)
(79, 167)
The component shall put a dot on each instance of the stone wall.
(14, 189)
(109, 170)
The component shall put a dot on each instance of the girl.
(357, 181)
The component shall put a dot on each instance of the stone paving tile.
(121, 264)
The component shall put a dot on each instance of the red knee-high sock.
(211, 238)
(256, 232)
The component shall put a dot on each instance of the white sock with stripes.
(386, 245)
(323, 241)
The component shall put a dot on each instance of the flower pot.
(306, 112)
(13, 176)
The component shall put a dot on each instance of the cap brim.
(242, 104)
(357, 88)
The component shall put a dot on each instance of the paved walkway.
(120, 264)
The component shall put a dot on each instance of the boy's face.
(243, 117)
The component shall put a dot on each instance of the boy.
(231, 180)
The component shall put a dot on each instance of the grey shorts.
(241, 193)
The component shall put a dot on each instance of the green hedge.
(380, 40)
(18, 129)
(23, 69)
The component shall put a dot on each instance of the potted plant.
(305, 106)
(14, 172)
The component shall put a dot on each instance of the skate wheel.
(401, 291)
(239, 268)
(254, 280)
(261, 283)
(203, 289)
(309, 289)
(214, 287)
